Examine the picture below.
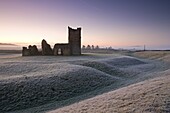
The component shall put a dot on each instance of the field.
(131, 82)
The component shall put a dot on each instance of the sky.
(116, 23)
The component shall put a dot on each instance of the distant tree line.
(88, 47)
(92, 47)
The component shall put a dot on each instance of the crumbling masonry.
(73, 47)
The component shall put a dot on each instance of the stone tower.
(74, 37)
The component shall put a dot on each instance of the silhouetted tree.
(97, 47)
(110, 47)
(83, 47)
(88, 47)
(92, 47)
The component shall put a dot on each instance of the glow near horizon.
(31, 21)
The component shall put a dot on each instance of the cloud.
(10, 44)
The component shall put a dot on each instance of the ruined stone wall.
(31, 51)
(61, 49)
(46, 48)
(25, 51)
(74, 40)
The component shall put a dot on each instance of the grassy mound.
(124, 62)
(150, 96)
(117, 67)
(53, 83)
(104, 67)
(158, 55)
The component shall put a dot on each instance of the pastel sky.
(116, 23)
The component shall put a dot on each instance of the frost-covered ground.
(150, 96)
(157, 55)
(45, 83)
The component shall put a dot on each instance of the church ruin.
(73, 47)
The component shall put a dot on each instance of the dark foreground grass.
(31, 91)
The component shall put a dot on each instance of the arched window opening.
(59, 51)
